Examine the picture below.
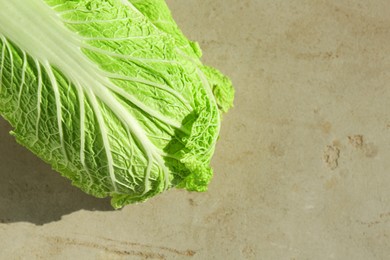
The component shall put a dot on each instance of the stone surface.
(312, 83)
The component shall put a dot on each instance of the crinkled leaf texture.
(111, 94)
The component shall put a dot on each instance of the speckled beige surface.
(302, 166)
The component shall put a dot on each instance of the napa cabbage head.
(111, 94)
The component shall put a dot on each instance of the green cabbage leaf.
(111, 94)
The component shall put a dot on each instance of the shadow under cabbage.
(31, 192)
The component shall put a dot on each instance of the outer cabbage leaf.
(159, 14)
(113, 100)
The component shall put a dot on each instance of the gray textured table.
(301, 169)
